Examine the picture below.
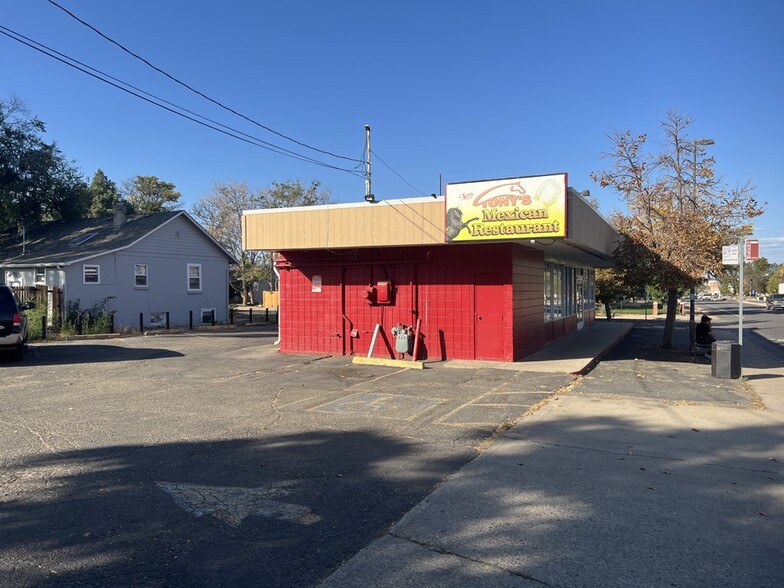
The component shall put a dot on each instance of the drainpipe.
(277, 274)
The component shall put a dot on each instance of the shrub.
(34, 318)
(95, 320)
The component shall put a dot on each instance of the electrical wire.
(397, 174)
(211, 124)
(194, 90)
(102, 73)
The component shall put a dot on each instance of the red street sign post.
(752, 250)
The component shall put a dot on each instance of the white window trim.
(146, 275)
(188, 277)
(97, 273)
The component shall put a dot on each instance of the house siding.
(167, 252)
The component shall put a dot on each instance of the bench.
(702, 349)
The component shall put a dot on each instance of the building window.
(40, 275)
(548, 292)
(157, 319)
(140, 275)
(590, 289)
(556, 290)
(91, 274)
(194, 277)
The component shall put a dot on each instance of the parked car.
(775, 302)
(13, 323)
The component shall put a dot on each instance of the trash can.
(725, 360)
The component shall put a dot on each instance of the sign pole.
(741, 263)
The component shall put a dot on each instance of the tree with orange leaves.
(678, 214)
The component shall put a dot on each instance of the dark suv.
(775, 302)
(13, 323)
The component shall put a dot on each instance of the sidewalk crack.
(444, 551)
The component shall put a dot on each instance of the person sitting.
(704, 333)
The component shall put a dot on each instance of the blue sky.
(453, 90)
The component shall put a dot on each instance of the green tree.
(679, 211)
(103, 194)
(776, 278)
(626, 278)
(757, 273)
(146, 194)
(37, 183)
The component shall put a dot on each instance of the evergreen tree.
(104, 195)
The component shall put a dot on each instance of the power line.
(277, 148)
(397, 174)
(211, 124)
(195, 91)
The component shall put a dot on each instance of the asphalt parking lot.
(212, 459)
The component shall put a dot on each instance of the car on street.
(13, 323)
(775, 302)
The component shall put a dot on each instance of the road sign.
(729, 255)
(752, 250)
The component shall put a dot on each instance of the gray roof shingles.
(54, 242)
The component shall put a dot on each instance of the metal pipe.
(350, 338)
(277, 274)
(373, 340)
(416, 341)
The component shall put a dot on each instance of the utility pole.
(741, 263)
(368, 193)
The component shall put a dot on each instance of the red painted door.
(489, 316)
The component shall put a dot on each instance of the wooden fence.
(50, 300)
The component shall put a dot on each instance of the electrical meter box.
(384, 292)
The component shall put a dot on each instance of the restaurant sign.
(500, 210)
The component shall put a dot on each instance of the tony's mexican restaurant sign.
(499, 210)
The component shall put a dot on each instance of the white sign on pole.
(729, 255)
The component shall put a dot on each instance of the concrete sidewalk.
(573, 354)
(647, 472)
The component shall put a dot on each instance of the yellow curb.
(416, 365)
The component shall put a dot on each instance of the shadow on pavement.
(280, 512)
(61, 354)
(596, 501)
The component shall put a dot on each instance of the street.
(764, 327)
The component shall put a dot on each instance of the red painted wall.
(474, 301)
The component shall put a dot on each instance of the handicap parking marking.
(232, 505)
(393, 406)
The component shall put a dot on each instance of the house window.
(91, 274)
(140, 275)
(194, 277)
(157, 319)
(40, 275)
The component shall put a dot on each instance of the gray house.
(150, 264)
